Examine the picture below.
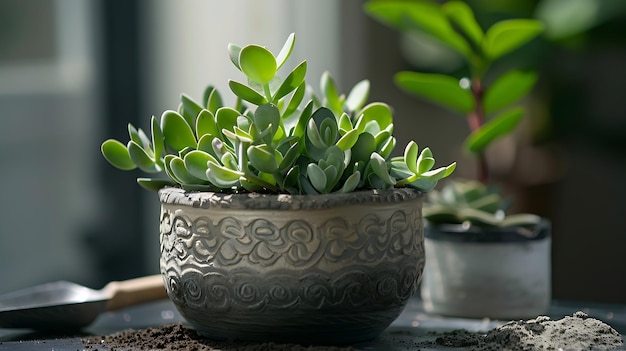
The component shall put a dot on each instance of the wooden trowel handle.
(134, 291)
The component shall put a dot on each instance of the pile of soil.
(176, 337)
(578, 332)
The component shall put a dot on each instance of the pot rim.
(208, 199)
(473, 233)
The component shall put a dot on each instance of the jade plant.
(491, 109)
(279, 137)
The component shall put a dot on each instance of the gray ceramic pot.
(474, 272)
(311, 269)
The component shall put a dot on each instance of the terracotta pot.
(311, 269)
(495, 273)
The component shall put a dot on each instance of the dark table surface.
(413, 325)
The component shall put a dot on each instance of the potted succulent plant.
(481, 262)
(285, 217)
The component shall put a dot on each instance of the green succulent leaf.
(410, 156)
(351, 183)
(177, 167)
(348, 140)
(176, 131)
(439, 88)
(157, 140)
(263, 157)
(508, 35)
(330, 92)
(257, 63)
(377, 112)
(226, 118)
(358, 96)
(192, 107)
(246, 93)
(290, 157)
(508, 89)
(214, 101)
(345, 124)
(462, 16)
(117, 154)
(154, 184)
(137, 135)
(490, 131)
(296, 100)
(141, 158)
(205, 124)
(364, 147)
(233, 53)
(317, 177)
(286, 50)
(425, 161)
(291, 82)
(267, 116)
(196, 163)
(380, 168)
(223, 177)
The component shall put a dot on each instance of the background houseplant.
(285, 217)
(483, 277)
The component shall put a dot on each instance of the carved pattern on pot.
(298, 244)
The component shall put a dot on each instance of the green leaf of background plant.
(508, 35)
(439, 88)
(508, 89)
(497, 127)
(285, 52)
(424, 15)
(117, 154)
(257, 63)
(462, 15)
(176, 131)
(246, 93)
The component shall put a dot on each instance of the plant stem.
(476, 119)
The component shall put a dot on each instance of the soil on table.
(176, 337)
(576, 332)
(572, 333)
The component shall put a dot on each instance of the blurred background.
(73, 73)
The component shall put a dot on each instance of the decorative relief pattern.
(343, 262)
